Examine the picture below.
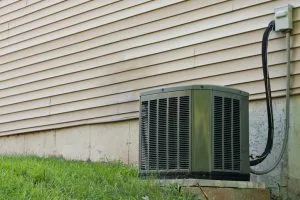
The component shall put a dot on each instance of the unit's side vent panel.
(218, 133)
(227, 143)
(162, 134)
(144, 138)
(165, 134)
(184, 131)
(236, 134)
(172, 133)
(153, 135)
(226, 140)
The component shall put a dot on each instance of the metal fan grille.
(165, 134)
(226, 140)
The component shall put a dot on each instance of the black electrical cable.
(264, 52)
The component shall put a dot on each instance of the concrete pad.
(212, 183)
(228, 193)
(110, 141)
(219, 189)
(73, 143)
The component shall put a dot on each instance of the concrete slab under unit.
(212, 183)
(220, 190)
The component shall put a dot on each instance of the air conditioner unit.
(198, 131)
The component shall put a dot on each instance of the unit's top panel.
(195, 87)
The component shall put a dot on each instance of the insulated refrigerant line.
(268, 148)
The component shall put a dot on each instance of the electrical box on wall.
(283, 18)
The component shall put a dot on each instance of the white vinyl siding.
(68, 63)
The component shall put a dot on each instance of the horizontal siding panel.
(255, 86)
(23, 13)
(256, 74)
(21, 16)
(93, 76)
(115, 16)
(119, 117)
(237, 4)
(118, 31)
(127, 86)
(146, 51)
(74, 116)
(170, 33)
(49, 14)
(123, 108)
(31, 2)
(61, 70)
(4, 3)
(139, 17)
(70, 40)
(277, 84)
(4, 26)
(12, 7)
(275, 94)
(219, 79)
(215, 45)
(201, 60)
(36, 11)
(43, 43)
(63, 19)
(275, 58)
(28, 105)
(193, 3)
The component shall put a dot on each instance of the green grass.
(52, 178)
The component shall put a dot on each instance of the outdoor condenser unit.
(198, 131)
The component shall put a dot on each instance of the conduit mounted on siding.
(269, 145)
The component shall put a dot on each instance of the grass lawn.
(52, 178)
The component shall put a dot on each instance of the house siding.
(67, 63)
